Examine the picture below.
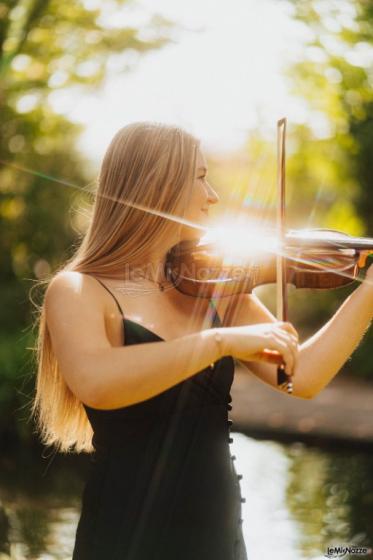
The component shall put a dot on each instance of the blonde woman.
(139, 374)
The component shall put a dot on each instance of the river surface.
(300, 500)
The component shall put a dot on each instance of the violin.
(313, 258)
(309, 258)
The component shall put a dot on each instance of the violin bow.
(283, 379)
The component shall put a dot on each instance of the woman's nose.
(212, 195)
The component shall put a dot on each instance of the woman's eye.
(203, 177)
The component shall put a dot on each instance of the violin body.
(317, 259)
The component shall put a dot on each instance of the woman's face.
(201, 196)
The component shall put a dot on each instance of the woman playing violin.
(139, 374)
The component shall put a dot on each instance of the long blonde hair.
(146, 163)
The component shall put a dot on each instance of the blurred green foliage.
(46, 46)
(335, 77)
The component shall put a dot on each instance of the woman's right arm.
(107, 377)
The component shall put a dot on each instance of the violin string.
(165, 215)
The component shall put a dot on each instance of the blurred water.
(299, 501)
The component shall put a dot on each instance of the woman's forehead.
(201, 160)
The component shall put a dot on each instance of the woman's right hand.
(248, 342)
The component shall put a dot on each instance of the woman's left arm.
(322, 355)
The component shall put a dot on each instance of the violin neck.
(357, 243)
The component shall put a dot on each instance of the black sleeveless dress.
(162, 482)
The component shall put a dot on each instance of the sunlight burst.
(239, 243)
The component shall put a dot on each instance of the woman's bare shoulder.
(71, 282)
(75, 315)
(74, 310)
(72, 292)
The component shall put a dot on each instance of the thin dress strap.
(215, 319)
(111, 293)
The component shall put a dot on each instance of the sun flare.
(240, 243)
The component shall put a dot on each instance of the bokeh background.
(71, 74)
